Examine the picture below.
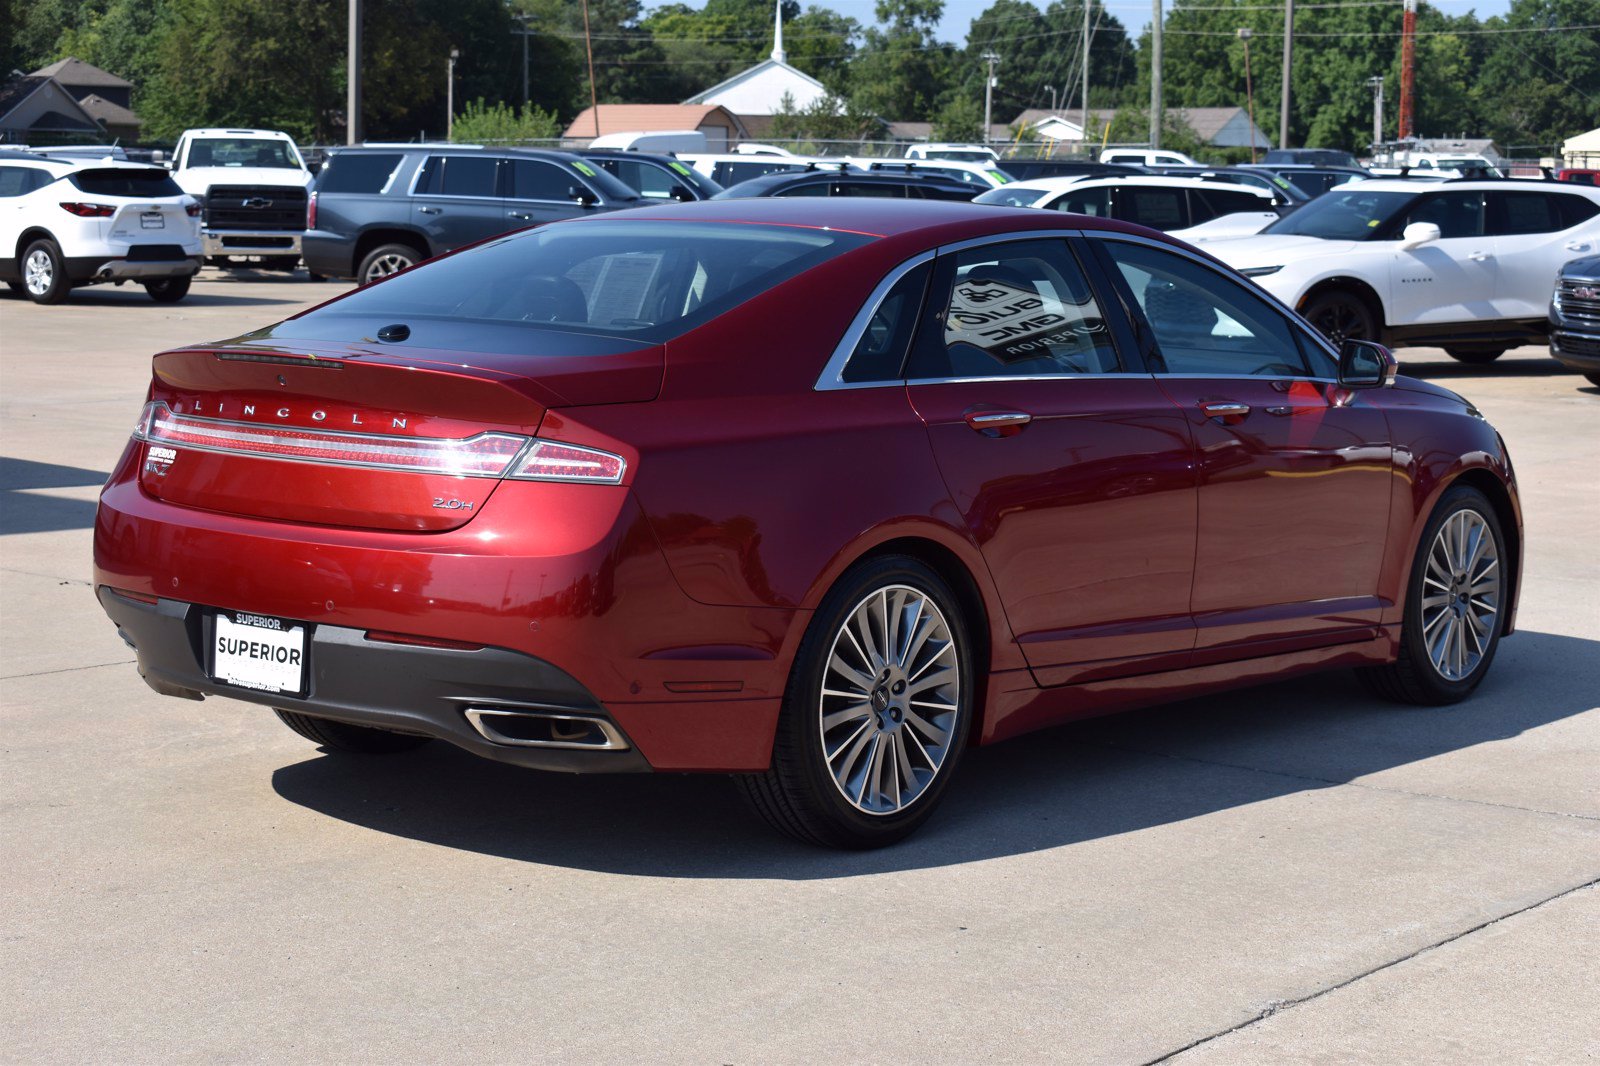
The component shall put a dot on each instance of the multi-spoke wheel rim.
(891, 700)
(40, 272)
(1340, 321)
(1460, 595)
(385, 265)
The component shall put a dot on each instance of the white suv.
(1465, 265)
(71, 222)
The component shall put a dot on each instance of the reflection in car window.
(1010, 196)
(1203, 321)
(882, 347)
(1018, 309)
(1344, 215)
(1161, 209)
(1094, 202)
(809, 188)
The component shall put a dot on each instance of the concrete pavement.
(1295, 873)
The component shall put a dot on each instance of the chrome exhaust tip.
(528, 728)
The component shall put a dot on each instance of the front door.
(457, 200)
(1295, 472)
(539, 191)
(1452, 279)
(1071, 469)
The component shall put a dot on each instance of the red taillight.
(311, 212)
(550, 460)
(192, 209)
(90, 210)
(382, 637)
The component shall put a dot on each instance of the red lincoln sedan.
(815, 493)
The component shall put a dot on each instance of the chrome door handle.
(1224, 409)
(429, 210)
(997, 423)
(1577, 246)
(1478, 257)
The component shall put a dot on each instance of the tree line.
(1528, 78)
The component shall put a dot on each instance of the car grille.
(256, 207)
(1572, 344)
(1578, 300)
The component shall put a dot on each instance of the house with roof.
(106, 97)
(1220, 127)
(761, 89)
(721, 126)
(37, 109)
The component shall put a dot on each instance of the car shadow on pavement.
(1077, 782)
(1507, 366)
(134, 296)
(23, 509)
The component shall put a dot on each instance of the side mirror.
(1366, 364)
(680, 194)
(582, 196)
(1419, 233)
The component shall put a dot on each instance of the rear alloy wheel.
(387, 259)
(1341, 315)
(167, 290)
(877, 711)
(44, 275)
(341, 736)
(1475, 356)
(1454, 605)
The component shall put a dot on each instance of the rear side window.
(649, 281)
(1523, 212)
(1016, 309)
(357, 172)
(1574, 209)
(732, 172)
(14, 181)
(807, 188)
(866, 188)
(459, 175)
(126, 181)
(879, 353)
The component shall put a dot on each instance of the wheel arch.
(379, 235)
(28, 236)
(1347, 282)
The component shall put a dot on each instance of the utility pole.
(1288, 56)
(1051, 89)
(1086, 76)
(1408, 62)
(588, 46)
(1155, 75)
(1376, 85)
(450, 95)
(1245, 33)
(988, 94)
(352, 77)
(524, 32)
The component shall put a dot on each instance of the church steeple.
(777, 34)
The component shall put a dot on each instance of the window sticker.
(583, 168)
(679, 167)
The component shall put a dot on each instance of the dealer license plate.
(259, 652)
(152, 220)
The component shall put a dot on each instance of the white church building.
(761, 89)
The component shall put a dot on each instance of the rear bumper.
(329, 254)
(386, 686)
(94, 268)
(250, 242)
(1576, 349)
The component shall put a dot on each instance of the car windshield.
(644, 280)
(241, 152)
(1007, 196)
(1343, 215)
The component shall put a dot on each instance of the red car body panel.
(1111, 555)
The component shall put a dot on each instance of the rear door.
(1534, 233)
(1071, 469)
(457, 200)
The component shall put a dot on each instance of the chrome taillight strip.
(482, 455)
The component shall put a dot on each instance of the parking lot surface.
(1294, 873)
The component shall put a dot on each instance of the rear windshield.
(647, 281)
(358, 172)
(1009, 197)
(126, 181)
(241, 152)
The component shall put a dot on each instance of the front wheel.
(44, 274)
(1341, 315)
(877, 711)
(387, 259)
(167, 290)
(1454, 608)
(341, 736)
(1475, 356)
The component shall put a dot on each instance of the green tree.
(482, 123)
(959, 120)
(901, 69)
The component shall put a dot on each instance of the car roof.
(630, 153)
(1474, 184)
(218, 132)
(1065, 182)
(438, 146)
(74, 163)
(818, 174)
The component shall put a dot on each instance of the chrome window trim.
(832, 377)
(915, 382)
(1295, 321)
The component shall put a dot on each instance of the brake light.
(483, 455)
(550, 460)
(90, 210)
(192, 209)
(311, 212)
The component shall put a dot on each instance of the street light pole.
(1245, 33)
(352, 89)
(450, 95)
(1086, 76)
(1155, 76)
(524, 32)
(988, 94)
(1376, 85)
(1288, 56)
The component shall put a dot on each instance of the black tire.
(387, 259)
(340, 736)
(798, 796)
(1342, 314)
(1475, 356)
(50, 285)
(1413, 677)
(167, 290)
(1593, 379)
